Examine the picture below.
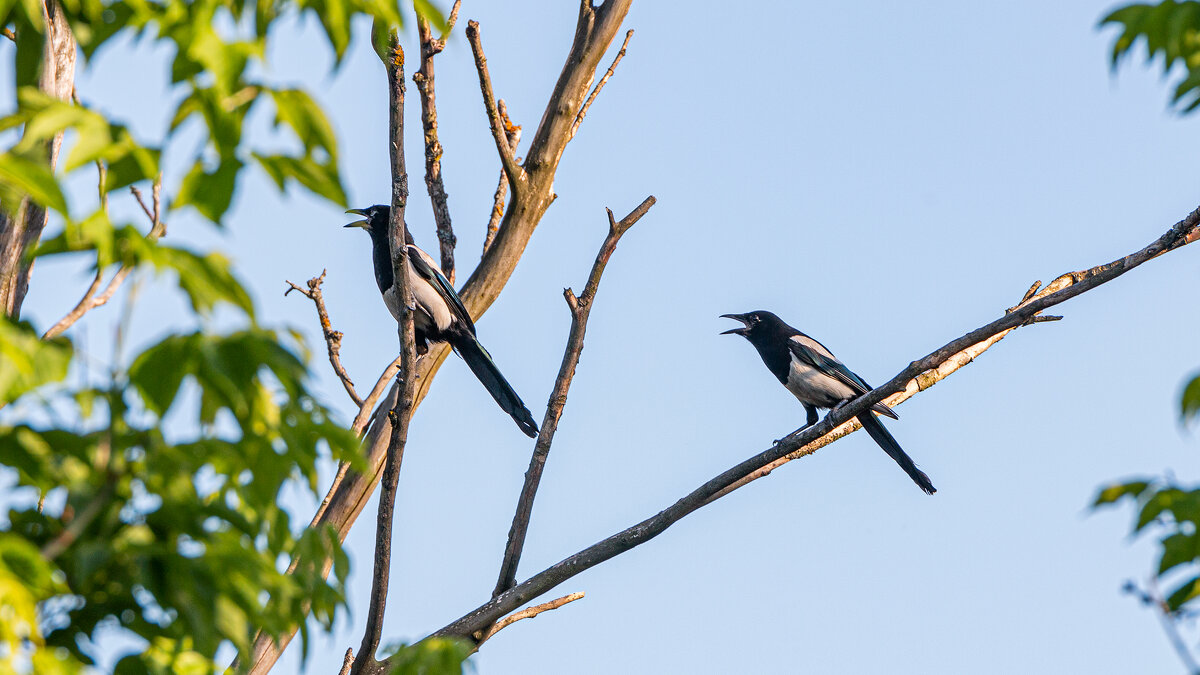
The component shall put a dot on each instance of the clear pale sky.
(884, 177)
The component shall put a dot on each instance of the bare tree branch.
(527, 613)
(516, 175)
(402, 413)
(512, 133)
(423, 78)
(90, 300)
(1061, 289)
(19, 233)
(364, 411)
(600, 85)
(595, 29)
(347, 662)
(581, 309)
(333, 338)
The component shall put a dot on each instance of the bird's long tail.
(480, 363)
(881, 436)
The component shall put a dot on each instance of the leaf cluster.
(1170, 29)
(179, 540)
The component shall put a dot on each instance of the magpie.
(815, 376)
(439, 315)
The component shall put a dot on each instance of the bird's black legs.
(812, 418)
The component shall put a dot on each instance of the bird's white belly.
(814, 387)
(432, 313)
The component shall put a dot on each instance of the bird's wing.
(813, 353)
(428, 271)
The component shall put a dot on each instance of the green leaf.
(1169, 29)
(1183, 594)
(210, 192)
(20, 175)
(206, 279)
(158, 371)
(431, 656)
(322, 179)
(1115, 492)
(29, 362)
(1189, 401)
(426, 10)
(1178, 549)
(300, 112)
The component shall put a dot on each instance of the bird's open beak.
(358, 223)
(736, 331)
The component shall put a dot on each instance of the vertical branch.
(21, 230)
(581, 308)
(423, 78)
(400, 415)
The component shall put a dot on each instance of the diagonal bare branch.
(516, 175)
(90, 300)
(333, 338)
(581, 309)
(600, 85)
(527, 613)
(919, 375)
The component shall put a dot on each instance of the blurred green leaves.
(1189, 400)
(431, 656)
(29, 362)
(179, 540)
(162, 484)
(1170, 29)
(1172, 512)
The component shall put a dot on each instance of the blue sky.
(884, 177)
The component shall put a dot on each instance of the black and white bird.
(439, 314)
(815, 376)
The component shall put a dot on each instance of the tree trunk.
(20, 233)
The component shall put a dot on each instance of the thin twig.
(527, 613)
(512, 134)
(516, 175)
(7, 32)
(599, 85)
(1150, 597)
(347, 662)
(423, 78)
(90, 300)
(1061, 289)
(401, 414)
(581, 308)
(333, 338)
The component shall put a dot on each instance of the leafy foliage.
(177, 540)
(161, 486)
(1170, 29)
(433, 656)
(1172, 511)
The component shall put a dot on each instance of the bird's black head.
(376, 219)
(758, 323)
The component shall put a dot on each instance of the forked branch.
(333, 338)
(581, 308)
(90, 300)
(916, 376)
(516, 175)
